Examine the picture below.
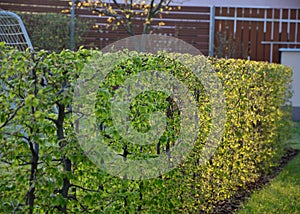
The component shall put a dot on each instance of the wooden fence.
(190, 24)
(253, 33)
(256, 33)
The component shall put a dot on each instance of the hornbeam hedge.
(44, 170)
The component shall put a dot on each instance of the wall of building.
(290, 57)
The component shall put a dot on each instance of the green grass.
(282, 194)
(295, 141)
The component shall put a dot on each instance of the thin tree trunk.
(67, 164)
(34, 147)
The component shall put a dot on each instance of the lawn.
(282, 194)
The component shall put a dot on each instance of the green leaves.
(33, 85)
(51, 31)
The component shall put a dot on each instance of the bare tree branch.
(83, 188)
(11, 116)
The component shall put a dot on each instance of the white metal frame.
(3, 35)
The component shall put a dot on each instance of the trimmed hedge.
(257, 125)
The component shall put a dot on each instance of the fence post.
(72, 30)
(212, 30)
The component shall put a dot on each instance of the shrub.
(51, 31)
(257, 124)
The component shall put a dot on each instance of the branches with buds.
(124, 13)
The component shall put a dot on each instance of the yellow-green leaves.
(257, 124)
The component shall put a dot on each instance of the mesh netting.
(13, 32)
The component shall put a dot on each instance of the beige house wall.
(291, 58)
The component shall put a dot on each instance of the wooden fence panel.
(190, 24)
(259, 33)
(37, 6)
(255, 33)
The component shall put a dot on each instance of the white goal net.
(13, 31)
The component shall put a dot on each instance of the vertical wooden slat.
(219, 27)
(276, 34)
(253, 35)
(292, 34)
(239, 35)
(268, 36)
(227, 22)
(292, 27)
(230, 34)
(260, 36)
(246, 32)
(284, 36)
